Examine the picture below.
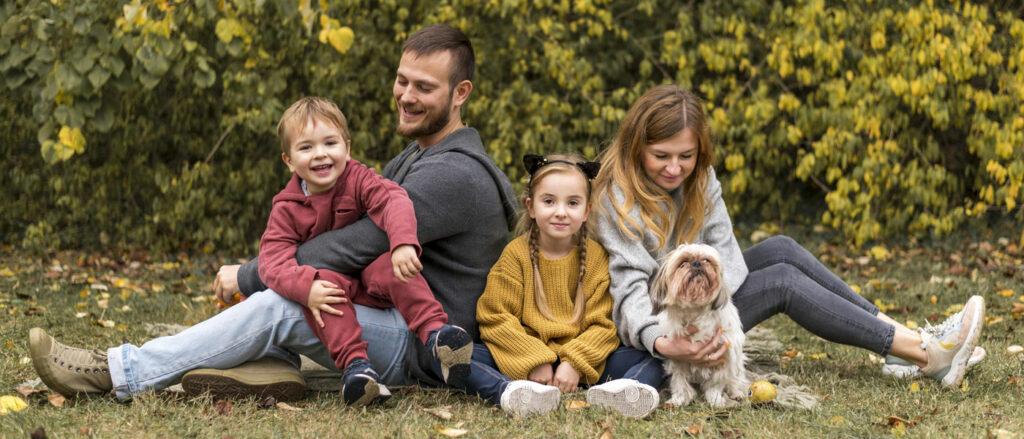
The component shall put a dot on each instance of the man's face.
(423, 94)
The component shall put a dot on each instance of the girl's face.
(670, 162)
(559, 205)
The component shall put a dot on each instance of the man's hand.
(225, 284)
(566, 377)
(405, 262)
(710, 353)
(322, 295)
(541, 374)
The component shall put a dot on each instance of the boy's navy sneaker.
(451, 349)
(360, 385)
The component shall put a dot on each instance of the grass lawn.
(101, 301)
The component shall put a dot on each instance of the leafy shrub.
(151, 123)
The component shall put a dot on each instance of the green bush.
(151, 123)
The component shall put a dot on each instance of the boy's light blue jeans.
(264, 325)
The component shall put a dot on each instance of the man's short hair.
(440, 38)
(298, 114)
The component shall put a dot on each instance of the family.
(410, 278)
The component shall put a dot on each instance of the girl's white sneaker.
(524, 398)
(628, 397)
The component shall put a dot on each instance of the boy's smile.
(318, 155)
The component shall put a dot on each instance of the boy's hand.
(566, 377)
(541, 374)
(321, 296)
(405, 262)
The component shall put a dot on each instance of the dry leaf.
(31, 387)
(991, 320)
(911, 324)
(99, 287)
(818, 356)
(1015, 349)
(694, 429)
(39, 433)
(934, 299)
(267, 403)
(791, 353)
(1006, 292)
(915, 387)
(449, 431)
(576, 404)
(837, 420)
(223, 407)
(56, 400)
(440, 412)
(79, 315)
(84, 431)
(6, 272)
(999, 433)
(731, 434)
(285, 406)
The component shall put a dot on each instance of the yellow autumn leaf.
(576, 404)
(855, 288)
(341, 39)
(1006, 292)
(934, 299)
(837, 420)
(880, 253)
(72, 139)
(915, 387)
(818, 356)
(6, 272)
(11, 404)
(911, 324)
(449, 431)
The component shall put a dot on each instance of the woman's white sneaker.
(524, 398)
(628, 397)
(949, 353)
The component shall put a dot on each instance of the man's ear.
(461, 93)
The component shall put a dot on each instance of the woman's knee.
(783, 244)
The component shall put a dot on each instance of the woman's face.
(670, 162)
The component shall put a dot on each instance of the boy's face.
(318, 155)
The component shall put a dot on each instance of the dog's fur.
(689, 290)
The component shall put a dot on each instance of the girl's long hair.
(528, 226)
(659, 114)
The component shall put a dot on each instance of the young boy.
(329, 191)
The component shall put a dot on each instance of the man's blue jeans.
(264, 325)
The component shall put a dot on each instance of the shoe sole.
(220, 386)
(526, 402)
(454, 353)
(628, 401)
(958, 368)
(371, 390)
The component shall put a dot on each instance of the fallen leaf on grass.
(79, 315)
(449, 431)
(6, 272)
(1015, 349)
(1006, 292)
(223, 407)
(440, 412)
(1015, 380)
(694, 429)
(25, 360)
(56, 400)
(791, 353)
(267, 403)
(915, 387)
(99, 287)
(11, 404)
(84, 431)
(30, 387)
(576, 404)
(606, 430)
(39, 433)
(285, 406)
(999, 433)
(731, 434)
(818, 356)
(837, 420)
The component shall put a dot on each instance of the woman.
(657, 189)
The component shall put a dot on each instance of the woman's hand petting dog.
(541, 374)
(710, 353)
(322, 295)
(566, 377)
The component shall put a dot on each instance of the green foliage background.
(151, 123)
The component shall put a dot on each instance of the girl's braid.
(538, 283)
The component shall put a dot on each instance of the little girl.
(545, 315)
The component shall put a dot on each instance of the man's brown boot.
(260, 378)
(67, 370)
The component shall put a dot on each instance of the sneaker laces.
(81, 360)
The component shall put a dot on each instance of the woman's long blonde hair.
(659, 114)
(528, 226)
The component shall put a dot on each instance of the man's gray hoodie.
(465, 207)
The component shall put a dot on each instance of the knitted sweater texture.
(520, 338)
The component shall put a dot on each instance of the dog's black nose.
(695, 264)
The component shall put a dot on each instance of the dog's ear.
(659, 289)
(723, 295)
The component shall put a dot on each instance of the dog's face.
(690, 278)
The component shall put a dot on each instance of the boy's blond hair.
(311, 107)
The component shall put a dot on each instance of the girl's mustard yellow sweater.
(520, 338)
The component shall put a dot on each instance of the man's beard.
(429, 126)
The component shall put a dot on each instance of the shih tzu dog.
(688, 290)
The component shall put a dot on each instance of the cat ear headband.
(534, 162)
